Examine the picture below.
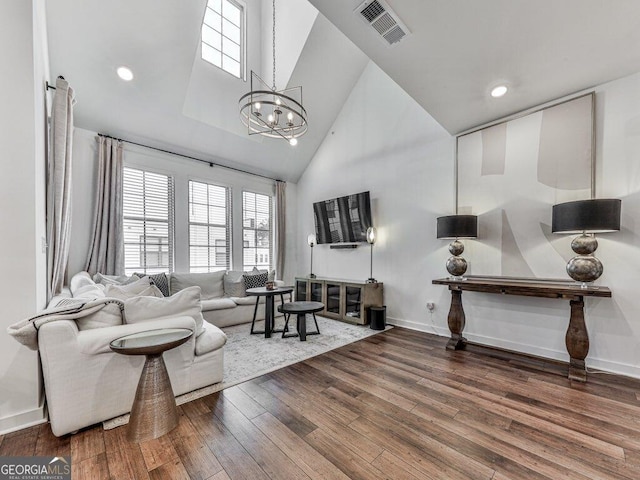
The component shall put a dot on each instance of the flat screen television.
(344, 219)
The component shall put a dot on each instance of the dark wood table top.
(527, 287)
(151, 342)
(259, 291)
(301, 307)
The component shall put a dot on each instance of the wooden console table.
(576, 339)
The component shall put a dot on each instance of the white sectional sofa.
(86, 383)
(224, 301)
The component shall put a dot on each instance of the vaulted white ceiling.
(456, 51)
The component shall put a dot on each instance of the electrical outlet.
(431, 306)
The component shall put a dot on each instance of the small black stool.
(378, 317)
(300, 309)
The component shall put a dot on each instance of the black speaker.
(377, 317)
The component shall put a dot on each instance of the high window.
(223, 36)
(147, 221)
(256, 232)
(209, 227)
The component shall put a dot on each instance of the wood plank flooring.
(394, 406)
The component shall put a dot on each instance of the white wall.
(22, 136)
(383, 142)
(182, 169)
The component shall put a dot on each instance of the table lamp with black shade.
(456, 227)
(587, 217)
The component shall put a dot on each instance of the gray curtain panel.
(107, 246)
(281, 225)
(59, 186)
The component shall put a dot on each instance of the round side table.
(154, 412)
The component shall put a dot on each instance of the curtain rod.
(208, 162)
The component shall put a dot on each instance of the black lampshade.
(457, 226)
(590, 216)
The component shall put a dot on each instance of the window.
(147, 222)
(209, 227)
(222, 36)
(256, 232)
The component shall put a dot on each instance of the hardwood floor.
(396, 406)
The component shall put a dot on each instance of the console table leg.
(577, 341)
(456, 321)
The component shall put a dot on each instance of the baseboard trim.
(607, 366)
(21, 420)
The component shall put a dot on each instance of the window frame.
(170, 221)
(243, 38)
(228, 226)
(270, 231)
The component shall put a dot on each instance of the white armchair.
(87, 383)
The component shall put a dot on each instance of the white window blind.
(222, 36)
(257, 234)
(209, 227)
(147, 222)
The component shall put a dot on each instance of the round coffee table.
(154, 411)
(268, 306)
(301, 309)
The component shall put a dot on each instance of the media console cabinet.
(345, 300)
(577, 337)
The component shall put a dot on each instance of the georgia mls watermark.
(35, 468)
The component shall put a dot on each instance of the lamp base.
(371, 280)
(312, 275)
(584, 269)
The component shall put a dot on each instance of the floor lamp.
(311, 241)
(371, 239)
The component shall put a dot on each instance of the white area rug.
(249, 356)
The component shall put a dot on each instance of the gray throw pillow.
(184, 303)
(160, 280)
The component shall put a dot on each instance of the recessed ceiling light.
(125, 73)
(499, 91)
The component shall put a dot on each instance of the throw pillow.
(255, 281)
(160, 280)
(115, 279)
(271, 273)
(141, 287)
(234, 284)
(108, 316)
(184, 303)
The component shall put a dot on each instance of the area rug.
(249, 356)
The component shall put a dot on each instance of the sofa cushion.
(90, 292)
(185, 302)
(211, 284)
(108, 316)
(254, 281)
(234, 284)
(217, 304)
(247, 300)
(142, 287)
(212, 338)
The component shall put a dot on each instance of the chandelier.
(271, 113)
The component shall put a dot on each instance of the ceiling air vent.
(383, 20)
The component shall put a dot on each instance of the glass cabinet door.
(353, 301)
(316, 292)
(301, 290)
(333, 298)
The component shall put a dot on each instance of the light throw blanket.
(26, 331)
